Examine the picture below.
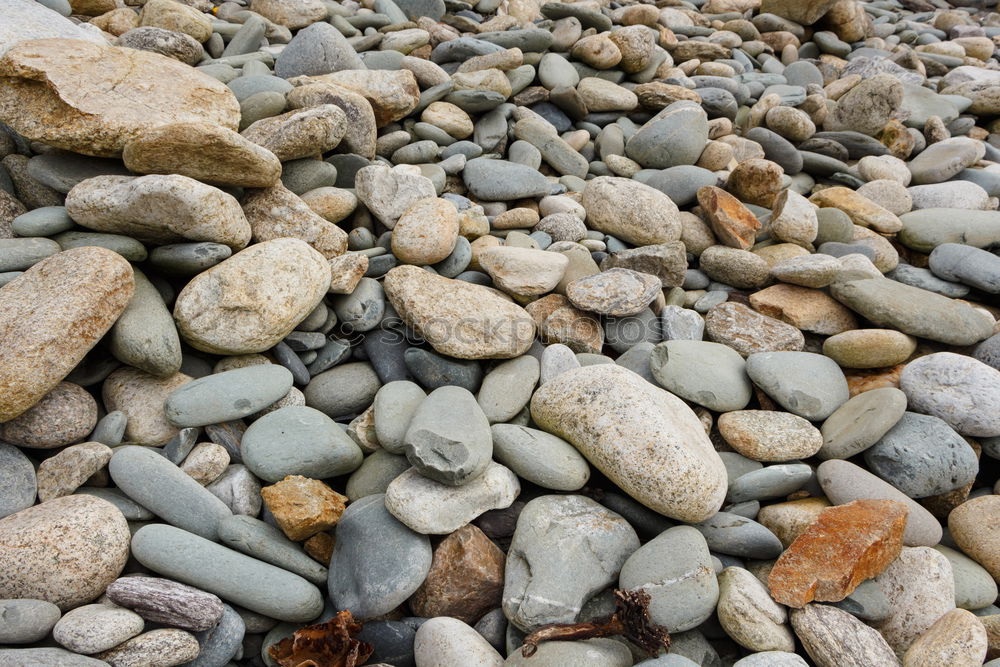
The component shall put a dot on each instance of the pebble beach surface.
(406, 329)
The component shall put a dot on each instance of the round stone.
(861, 422)
(94, 628)
(539, 457)
(869, 348)
(26, 621)
(426, 232)
(17, 481)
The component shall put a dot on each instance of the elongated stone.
(227, 396)
(167, 602)
(234, 577)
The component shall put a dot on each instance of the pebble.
(27, 621)
(970, 525)
(164, 646)
(539, 457)
(682, 477)
(749, 615)
(227, 396)
(832, 636)
(807, 384)
(708, 374)
(861, 422)
(377, 561)
(920, 589)
(94, 628)
(565, 549)
(764, 435)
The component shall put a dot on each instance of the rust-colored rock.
(846, 545)
(320, 547)
(804, 308)
(302, 506)
(465, 580)
(731, 222)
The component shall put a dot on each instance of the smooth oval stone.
(924, 279)
(656, 451)
(675, 569)
(961, 390)
(769, 482)
(50, 657)
(736, 535)
(126, 246)
(20, 254)
(267, 543)
(843, 482)
(276, 284)
(565, 550)
(922, 456)
(861, 422)
(97, 627)
(914, 311)
(82, 291)
(432, 508)
(925, 229)
(220, 644)
(44, 221)
(85, 537)
(344, 390)
(965, 264)
(974, 587)
(499, 180)
(130, 509)
(506, 389)
(377, 562)
(806, 384)
(234, 577)
(709, 374)
(17, 481)
(434, 370)
(298, 440)
(26, 621)
(167, 491)
(394, 406)
(539, 457)
(449, 439)
(604, 652)
(227, 396)
(449, 641)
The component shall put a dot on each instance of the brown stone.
(64, 473)
(63, 416)
(393, 94)
(361, 130)
(860, 381)
(300, 133)
(10, 208)
(277, 212)
(804, 308)
(559, 321)
(657, 95)
(465, 580)
(320, 547)
(140, 396)
(71, 94)
(53, 315)
(846, 545)
(731, 222)
(302, 506)
(756, 181)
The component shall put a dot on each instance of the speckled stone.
(81, 291)
(166, 646)
(65, 551)
(680, 475)
(94, 628)
(63, 416)
(920, 588)
(768, 435)
(140, 397)
(749, 615)
(62, 474)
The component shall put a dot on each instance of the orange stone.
(302, 506)
(860, 381)
(320, 547)
(846, 545)
(465, 580)
(731, 222)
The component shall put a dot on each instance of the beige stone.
(788, 520)
(975, 527)
(630, 211)
(64, 473)
(331, 204)
(449, 118)
(292, 14)
(457, 318)
(644, 439)
(957, 639)
(254, 299)
(276, 212)
(393, 94)
(869, 348)
(140, 396)
(116, 21)
(749, 615)
(204, 151)
(65, 551)
(176, 16)
(159, 209)
(206, 462)
(69, 93)
(346, 271)
(53, 315)
(861, 210)
(300, 133)
(524, 271)
(920, 588)
(804, 308)
(769, 435)
(360, 134)
(426, 232)
(834, 638)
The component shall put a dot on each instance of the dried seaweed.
(329, 644)
(630, 620)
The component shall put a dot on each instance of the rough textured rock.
(631, 211)
(167, 602)
(975, 528)
(457, 318)
(65, 551)
(79, 85)
(835, 638)
(957, 638)
(63, 416)
(846, 545)
(252, 300)
(53, 315)
(303, 507)
(465, 580)
(277, 212)
(655, 449)
(159, 209)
